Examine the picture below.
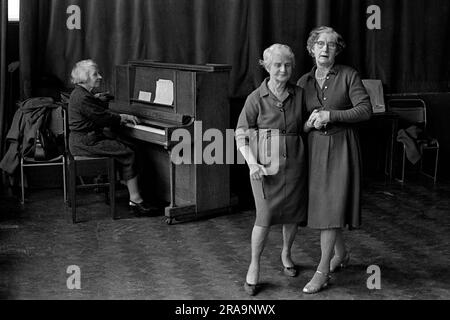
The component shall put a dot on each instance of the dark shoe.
(290, 271)
(250, 289)
(143, 209)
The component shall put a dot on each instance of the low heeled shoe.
(322, 282)
(143, 208)
(250, 289)
(290, 271)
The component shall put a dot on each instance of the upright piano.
(168, 97)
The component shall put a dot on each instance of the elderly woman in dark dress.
(275, 110)
(335, 99)
(88, 116)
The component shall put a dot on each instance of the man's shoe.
(143, 209)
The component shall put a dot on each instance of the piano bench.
(91, 167)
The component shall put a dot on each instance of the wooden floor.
(405, 232)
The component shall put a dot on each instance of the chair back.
(52, 142)
(56, 124)
(65, 107)
(58, 127)
(410, 111)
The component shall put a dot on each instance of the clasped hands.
(318, 119)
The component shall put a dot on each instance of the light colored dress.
(280, 198)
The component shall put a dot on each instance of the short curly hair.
(80, 73)
(314, 35)
(268, 54)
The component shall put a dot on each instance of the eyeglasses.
(321, 44)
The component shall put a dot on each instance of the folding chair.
(414, 112)
(57, 126)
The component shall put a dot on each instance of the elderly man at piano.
(88, 117)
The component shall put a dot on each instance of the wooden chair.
(85, 166)
(91, 167)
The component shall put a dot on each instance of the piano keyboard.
(146, 128)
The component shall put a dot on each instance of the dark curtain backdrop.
(409, 53)
(3, 73)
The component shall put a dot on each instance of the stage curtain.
(409, 52)
(3, 72)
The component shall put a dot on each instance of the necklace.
(321, 78)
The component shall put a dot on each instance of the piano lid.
(209, 67)
(143, 112)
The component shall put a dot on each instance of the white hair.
(81, 71)
(269, 52)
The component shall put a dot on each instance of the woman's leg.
(133, 189)
(341, 256)
(327, 242)
(259, 236)
(339, 246)
(289, 232)
(320, 278)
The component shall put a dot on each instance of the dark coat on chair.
(21, 135)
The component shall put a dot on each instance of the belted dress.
(334, 151)
(273, 129)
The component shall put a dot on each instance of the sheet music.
(145, 96)
(164, 92)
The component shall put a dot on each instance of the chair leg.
(21, 183)
(433, 174)
(386, 161)
(64, 180)
(436, 165)
(403, 162)
(112, 187)
(73, 185)
(69, 185)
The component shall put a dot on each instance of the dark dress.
(334, 152)
(88, 117)
(280, 198)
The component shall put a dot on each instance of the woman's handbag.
(45, 142)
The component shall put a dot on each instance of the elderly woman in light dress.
(276, 111)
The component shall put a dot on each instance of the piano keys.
(200, 93)
(139, 127)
